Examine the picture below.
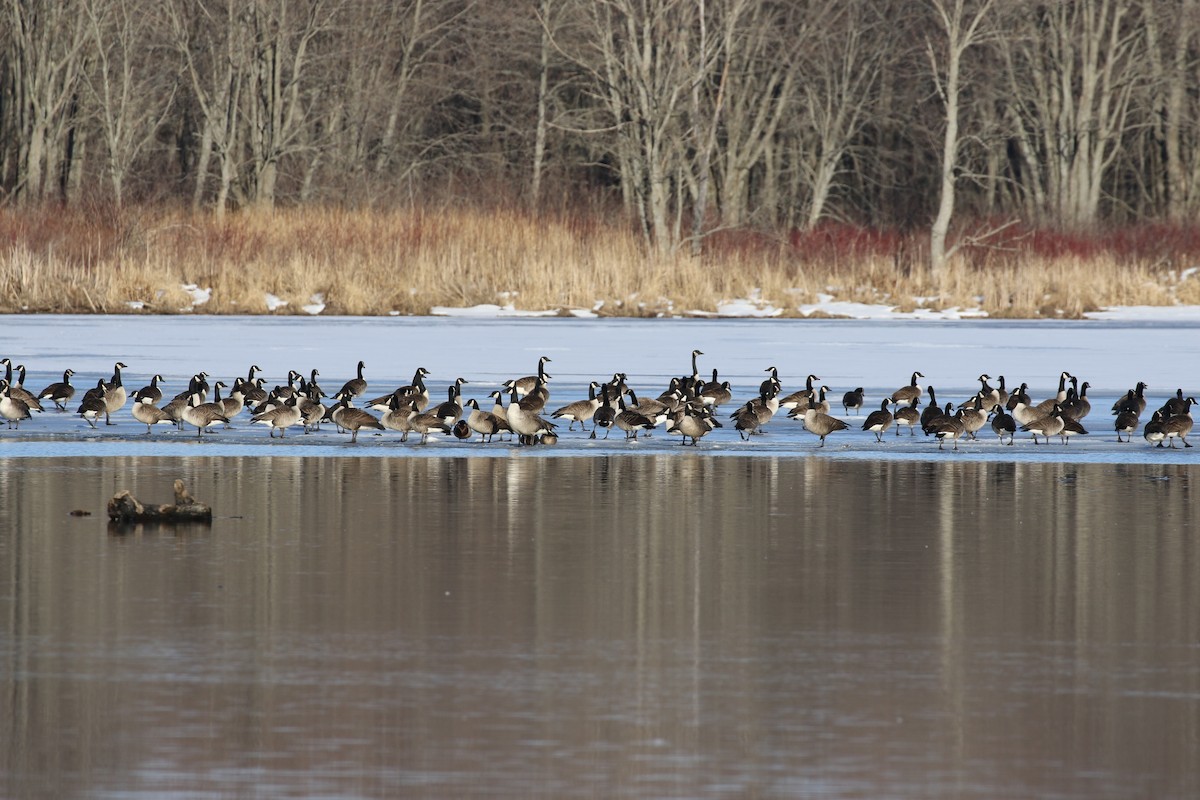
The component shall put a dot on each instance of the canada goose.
(415, 391)
(525, 423)
(11, 408)
(151, 393)
(714, 383)
(535, 399)
(1022, 412)
(877, 422)
(234, 403)
(1175, 405)
(654, 410)
(312, 412)
(852, 399)
(931, 413)
(716, 396)
(1134, 400)
(398, 416)
(821, 424)
(1071, 427)
(675, 395)
(973, 418)
(500, 412)
(906, 393)
(908, 415)
(1082, 405)
(1021, 395)
(526, 385)
(145, 412)
(285, 391)
(771, 384)
(1002, 393)
(92, 405)
(987, 394)
(1078, 405)
(1046, 425)
(580, 410)
(253, 393)
(694, 378)
(461, 430)
(280, 417)
(1060, 397)
(630, 420)
(451, 410)
(203, 415)
(114, 393)
(1126, 422)
(817, 401)
(745, 420)
(355, 419)
(1179, 425)
(59, 393)
(1003, 424)
(798, 401)
(355, 387)
(605, 416)
(17, 391)
(313, 388)
(691, 424)
(1153, 432)
(949, 426)
(484, 423)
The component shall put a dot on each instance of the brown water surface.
(643, 626)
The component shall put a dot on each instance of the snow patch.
(1146, 314)
(274, 303)
(489, 310)
(199, 296)
(826, 304)
(136, 305)
(316, 304)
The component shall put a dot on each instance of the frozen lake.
(879, 356)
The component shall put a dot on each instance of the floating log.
(124, 507)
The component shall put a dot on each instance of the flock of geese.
(688, 407)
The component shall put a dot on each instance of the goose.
(461, 430)
(145, 412)
(355, 419)
(416, 391)
(312, 412)
(1003, 424)
(654, 410)
(771, 384)
(908, 415)
(949, 426)
(694, 378)
(1045, 425)
(605, 416)
(203, 415)
(987, 394)
(1134, 400)
(1078, 406)
(675, 393)
(906, 393)
(1153, 432)
(355, 387)
(500, 412)
(630, 420)
(1001, 392)
(524, 422)
(153, 392)
(1175, 405)
(280, 417)
(821, 424)
(18, 391)
(1071, 427)
(691, 424)
(746, 421)
(877, 422)
(451, 410)
(92, 405)
(816, 400)
(1126, 423)
(482, 422)
(231, 405)
(580, 410)
(59, 393)
(535, 399)
(314, 390)
(853, 399)
(1060, 397)
(114, 393)
(253, 393)
(798, 401)
(973, 418)
(931, 413)
(398, 416)
(767, 403)
(714, 383)
(716, 396)
(13, 409)
(527, 384)
(1179, 425)
(1021, 395)
(1022, 412)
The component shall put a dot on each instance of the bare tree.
(960, 27)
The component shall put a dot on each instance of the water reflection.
(669, 625)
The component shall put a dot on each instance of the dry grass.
(407, 261)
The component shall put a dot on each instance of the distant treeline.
(691, 115)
